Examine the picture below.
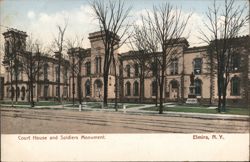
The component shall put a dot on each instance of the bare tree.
(144, 45)
(168, 23)
(112, 18)
(59, 45)
(77, 55)
(32, 62)
(223, 25)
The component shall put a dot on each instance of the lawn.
(41, 103)
(133, 105)
(236, 111)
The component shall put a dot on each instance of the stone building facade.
(123, 76)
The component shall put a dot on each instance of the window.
(88, 68)
(45, 92)
(235, 86)
(98, 64)
(98, 88)
(12, 92)
(174, 84)
(34, 91)
(19, 45)
(174, 66)
(65, 75)
(197, 65)
(23, 93)
(154, 68)
(128, 87)
(136, 88)
(45, 70)
(235, 62)
(154, 88)
(57, 73)
(18, 92)
(65, 91)
(7, 48)
(87, 88)
(57, 91)
(197, 84)
(136, 70)
(128, 70)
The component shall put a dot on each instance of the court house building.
(124, 74)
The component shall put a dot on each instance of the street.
(46, 121)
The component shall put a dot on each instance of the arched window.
(128, 87)
(18, 92)
(128, 70)
(136, 88)
(136, 70)
(198, 88)
(98, 88)
(23, 93)
(87, 88)
(235, 86)
(154, 88)
(197, 65)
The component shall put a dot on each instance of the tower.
(15, 41)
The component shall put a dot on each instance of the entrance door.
(174, 90)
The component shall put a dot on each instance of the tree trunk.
(73, 89)
(162, 80)
(59, 78)
(79, 80)
(116, 90)
(219, 93)
(11, 85)
(142, 85)
(105, 93)
(16, 86)
(156, 97)
(161, 95)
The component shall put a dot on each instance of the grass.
(133, 105)
(236, 111)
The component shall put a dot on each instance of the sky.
(40, 18)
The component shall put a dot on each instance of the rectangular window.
(57, 91)
(65, 91)
(136, 70)
(45, 93)
(88, 69)
(34, 91)
(128, 70)
(235, 62)
(57, 74)
(197, 65)
(174, 67)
